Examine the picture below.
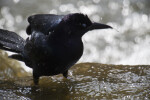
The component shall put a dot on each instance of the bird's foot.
(36, 80)
(65, 74)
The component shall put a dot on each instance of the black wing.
(44, 23)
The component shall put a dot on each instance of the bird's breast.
(69, 53)
(70, 50)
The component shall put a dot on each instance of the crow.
(54, 43)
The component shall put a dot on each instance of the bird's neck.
(64, 39)
(64, 36)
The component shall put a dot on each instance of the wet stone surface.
(86, 81)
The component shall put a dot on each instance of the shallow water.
(127, 43)
(87, 81)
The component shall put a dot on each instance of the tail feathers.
(10, 47)
(11, 41)
(7, 49)
(17, 57)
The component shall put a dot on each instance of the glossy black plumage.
(54, 44)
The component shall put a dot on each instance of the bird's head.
(78, 24)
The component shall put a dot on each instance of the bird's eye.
(83, 25)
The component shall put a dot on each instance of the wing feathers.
(44, 23)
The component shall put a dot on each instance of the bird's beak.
(98, 26)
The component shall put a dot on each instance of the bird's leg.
(35, 78)
(65, 74)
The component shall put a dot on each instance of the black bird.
(54, 44)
